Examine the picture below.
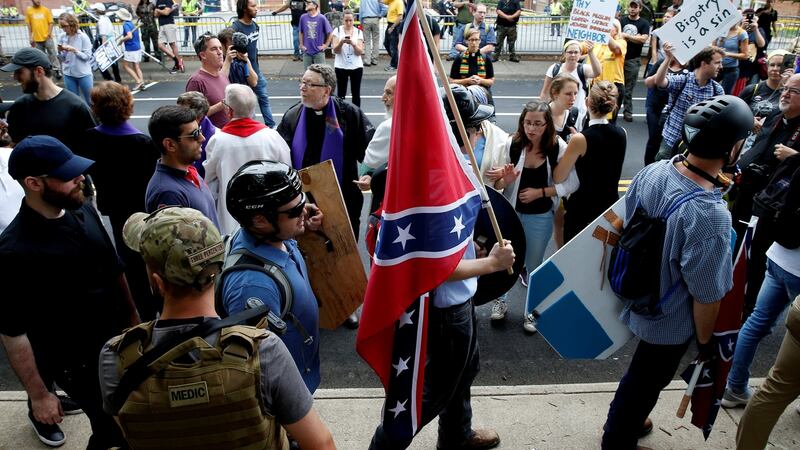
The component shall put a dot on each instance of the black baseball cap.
(45, 155)
(27, 57)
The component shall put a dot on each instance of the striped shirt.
(696, 256)
(684, 92)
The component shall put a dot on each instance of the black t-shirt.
(633, 28)
(472, 62)
(509, 7)
(60, 281)
(766, 19)
(298, 8)
(599, 171)
(534, 177)
(170, 19)
(252, 32)
(762, 99)
(64, 117)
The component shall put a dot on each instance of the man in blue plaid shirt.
(686, 89)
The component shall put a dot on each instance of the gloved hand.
(708, 351)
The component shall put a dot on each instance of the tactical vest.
(82, 7)
(215, 402)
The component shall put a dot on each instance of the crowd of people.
(207, 169)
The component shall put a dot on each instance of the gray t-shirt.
(284, 394)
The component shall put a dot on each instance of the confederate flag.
(429, 209)
(710, 385)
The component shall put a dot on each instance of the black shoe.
(69, 406)
(50, 435)
(647, 428)
(174, 69)
(514, 59)
(351, 322)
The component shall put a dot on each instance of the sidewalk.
(527, 417)
(282, 67)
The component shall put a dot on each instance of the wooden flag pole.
(462, 131)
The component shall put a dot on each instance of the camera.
(240, 41)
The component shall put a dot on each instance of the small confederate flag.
(710, 385)
(430, 205)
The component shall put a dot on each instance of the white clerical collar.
(602, 121)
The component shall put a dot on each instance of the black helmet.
(261, 187)
(471, 111)
(712, 127)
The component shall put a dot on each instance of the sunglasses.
(297, 210)
(195, 134)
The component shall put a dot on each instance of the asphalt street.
(508, 355)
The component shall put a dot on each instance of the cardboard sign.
(107, 54)
(697, 25)
(591, 20)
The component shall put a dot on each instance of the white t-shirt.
(787, 259)
(580, 100)
(347, 58)
(104, 27)
(11, 192)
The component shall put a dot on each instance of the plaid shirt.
(696, 256)
(683, 93)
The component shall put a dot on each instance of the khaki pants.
(780, 388)
(372, 39)
(49, 47)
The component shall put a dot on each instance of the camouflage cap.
(178, 243)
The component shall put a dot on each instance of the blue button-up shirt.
(488, 35)
(684, 92)
(372, 8)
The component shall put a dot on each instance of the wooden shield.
(334, 266)
(495, 284)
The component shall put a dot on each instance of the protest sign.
(107, 54)
(697, 25)
(591, 20)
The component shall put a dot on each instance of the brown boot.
(481, 439)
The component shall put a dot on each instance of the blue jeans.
(296, 40)
(728, 77)
(538, 229)
(452, 364)
(263, 101)
(80, 86)
(651, 370)
(777, 292)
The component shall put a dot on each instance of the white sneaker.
(499, 309)
(528, 324)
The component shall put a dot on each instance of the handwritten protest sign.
(591, 20)
(107, 54)
(697, 25)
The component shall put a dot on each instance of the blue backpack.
(634, 271)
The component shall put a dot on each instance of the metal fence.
(536, 35)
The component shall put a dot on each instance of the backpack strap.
(582, 77)
(680, 201)
(572, 117)
(556, 69)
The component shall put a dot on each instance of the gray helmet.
(472, 112)
(712, 127)
(261, 187)
(240, 41)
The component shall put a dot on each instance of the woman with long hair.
(596, 154)
(348, 46)
(570, 64)
(535, 150)
(735, 43)
(75, 53)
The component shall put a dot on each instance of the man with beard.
(323, 127)
(175, 133)
(59, 271)
(377, 153)
(209, 79)
(45, 108)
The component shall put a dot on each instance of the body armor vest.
(212, 402)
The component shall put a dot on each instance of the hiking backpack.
(634, 270)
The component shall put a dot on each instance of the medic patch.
(188, 394)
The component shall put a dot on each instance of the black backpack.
(581, 76)
(779, 203)
(634, 271)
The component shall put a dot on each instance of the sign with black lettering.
(188, 394)
(590, 20)
(107, 54)
(697, 25)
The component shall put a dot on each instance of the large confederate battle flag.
(710, 385)
(429, 209)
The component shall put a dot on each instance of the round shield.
(495, 284)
